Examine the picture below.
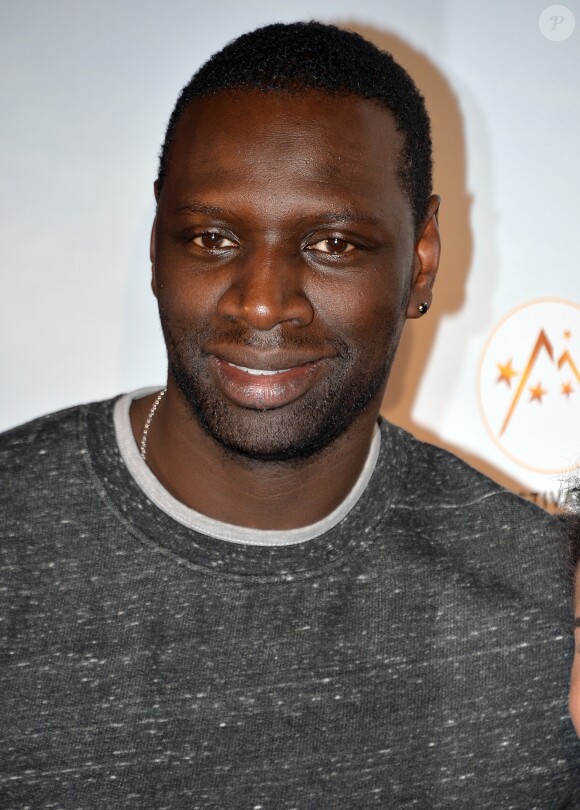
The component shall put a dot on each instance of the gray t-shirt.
(415, 654)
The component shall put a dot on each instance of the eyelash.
(350, 246)
(219, 236)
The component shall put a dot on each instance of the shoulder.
(43, 429)
(476, 528)
(41, 447)
(441, 480)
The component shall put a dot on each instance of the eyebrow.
(349, 215)
(328, 218)
(577, 622)
(199, 208)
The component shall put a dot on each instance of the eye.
(212, 240)
(333, 246)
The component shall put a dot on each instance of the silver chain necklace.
(143, 446)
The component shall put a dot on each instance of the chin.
(286, 434)
(292, 433)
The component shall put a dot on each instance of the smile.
(259, 372)
(263, 388)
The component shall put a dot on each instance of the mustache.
(268, 340)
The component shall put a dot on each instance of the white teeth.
(259, 372)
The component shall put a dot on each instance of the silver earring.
(423, 307)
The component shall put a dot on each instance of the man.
(244, 591)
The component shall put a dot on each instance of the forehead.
(337, 130)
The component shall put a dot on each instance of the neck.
(196, 470)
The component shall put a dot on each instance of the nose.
(266, 289)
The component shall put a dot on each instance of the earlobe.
(426, 262)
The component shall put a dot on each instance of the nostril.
(263, 295)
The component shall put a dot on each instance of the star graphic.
(537, 392)
(567, 334)
(567, 389)
(506, 372)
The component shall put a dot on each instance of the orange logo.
(529, 385)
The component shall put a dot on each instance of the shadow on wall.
(450, 182)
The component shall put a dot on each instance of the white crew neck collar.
(199, 522)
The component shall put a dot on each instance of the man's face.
(283, 255)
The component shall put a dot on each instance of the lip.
(289, 381)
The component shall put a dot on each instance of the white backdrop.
(87, 89)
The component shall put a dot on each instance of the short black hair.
(314, 56)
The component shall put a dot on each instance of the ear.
(152, 243)
(426, 260)
(152, 256)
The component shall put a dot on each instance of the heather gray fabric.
(416, 655)
(217, 528)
